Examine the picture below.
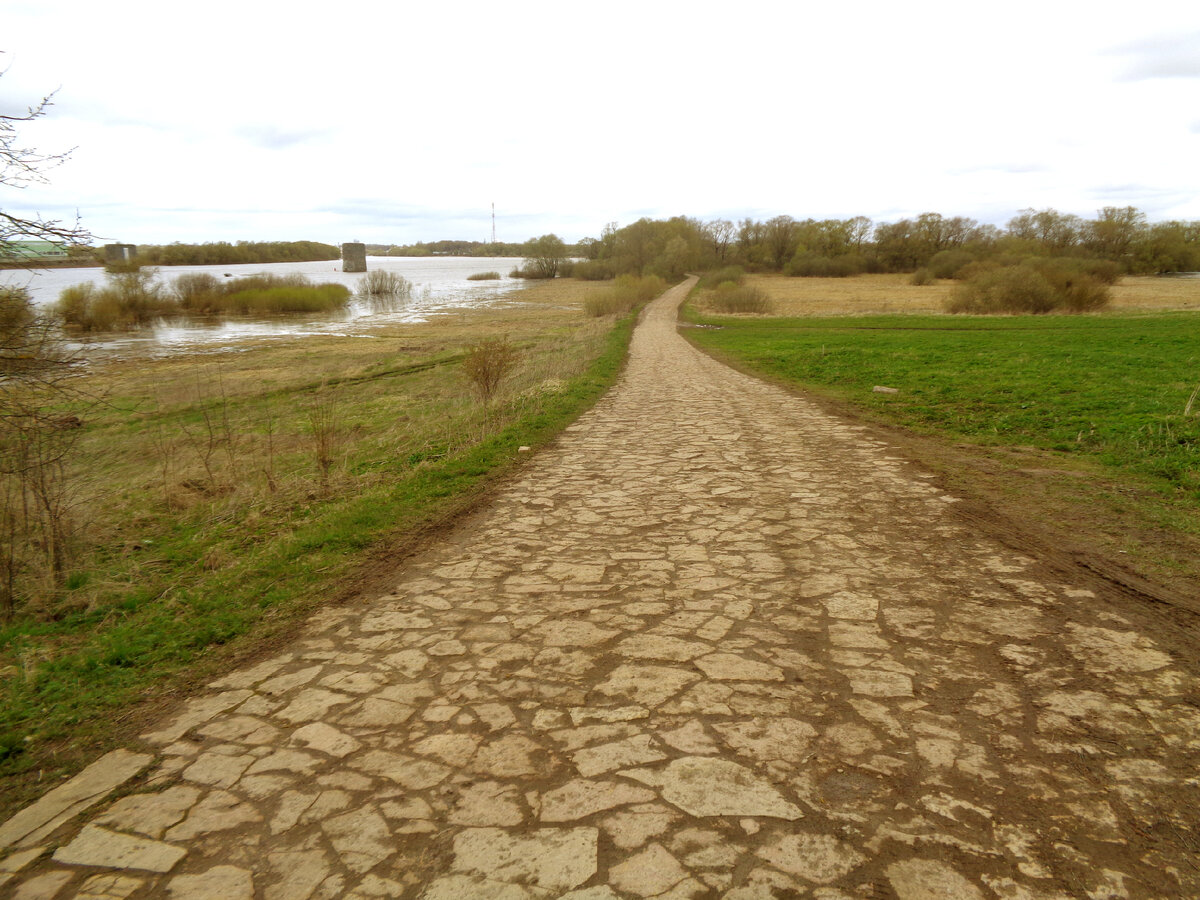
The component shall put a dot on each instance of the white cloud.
(1173, 55)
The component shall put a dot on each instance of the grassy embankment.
(1101, 396)
(221, 497)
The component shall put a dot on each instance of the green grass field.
(1112, 388)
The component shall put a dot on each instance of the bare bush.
(164, 447)
(381, 283)
(592, 270)
(607, 304)
(626, 293)
(1079, 286)
(325, 430)
(1035, 286)
(195, 291)
(948, 263)
(40, 409)
(269, 424)
(1012, 289)
(731, 274)
(733, 298)
(211, 433)
(487, 364)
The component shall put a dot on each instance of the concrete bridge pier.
(354, 257)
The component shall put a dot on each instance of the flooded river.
(439, 285)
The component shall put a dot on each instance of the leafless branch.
(21, 166)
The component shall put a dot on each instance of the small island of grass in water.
(133, 297)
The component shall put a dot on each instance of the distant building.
(33, 250)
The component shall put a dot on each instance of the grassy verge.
(209, 521)
(1105, 395)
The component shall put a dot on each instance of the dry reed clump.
(134, 298)
(528, 272)
(1035, 287)
(732, 298)
(194, 290)
(381, 283)
(283, 299)
(626, 292)
(484, 276)
(488, 364)
(728, 274)
(589, 270)
(130, 299)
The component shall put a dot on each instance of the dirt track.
(714, 643)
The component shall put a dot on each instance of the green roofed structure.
(32, 250)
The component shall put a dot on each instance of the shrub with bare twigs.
(487, 364)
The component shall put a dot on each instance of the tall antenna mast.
(493, 221)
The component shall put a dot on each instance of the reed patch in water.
(134, 299)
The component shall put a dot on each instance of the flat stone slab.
(460, 887)
(930, 879)
(730, 667)
(634, 751)
(488, 803)
(552, 858)
(877, 683)
(581, 798)
(819, 858)
(96, 846)
(571, 633)
(705, 786)
(649, 873)
(848, 605)
(196, 712)
(151, 814)
(653, 646)
(87, 788)
(647, 685)
(218, 883)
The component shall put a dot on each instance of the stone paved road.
(714, 643)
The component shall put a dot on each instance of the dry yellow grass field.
(1156, 292)
(873, 294)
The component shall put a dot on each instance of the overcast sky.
(395, 122)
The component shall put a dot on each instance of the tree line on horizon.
(944, 245)
(448, 248)
(1120, 237)
(224, 253)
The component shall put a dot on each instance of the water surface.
(440, 285)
